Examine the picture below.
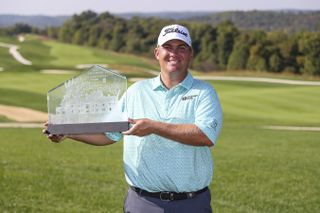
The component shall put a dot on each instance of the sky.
(70, 7)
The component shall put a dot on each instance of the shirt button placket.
(169, 101)
(166, 104)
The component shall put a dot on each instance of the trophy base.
(88, 128)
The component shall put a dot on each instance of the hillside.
(39, 21)
(220, 47)
(288, 20)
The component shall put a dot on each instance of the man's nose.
(174, 50)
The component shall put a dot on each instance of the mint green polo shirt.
(155, 163)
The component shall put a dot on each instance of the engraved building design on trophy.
(91, 97)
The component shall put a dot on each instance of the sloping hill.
(287, 20)
(39, 21)
(290, 20)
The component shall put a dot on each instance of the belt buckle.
(170, 196)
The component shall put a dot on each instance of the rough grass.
(36, 176)
(4, 119)
(266, 171)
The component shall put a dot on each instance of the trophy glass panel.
(88, 103)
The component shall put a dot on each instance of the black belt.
(168, 196)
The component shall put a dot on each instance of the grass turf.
(256, 170)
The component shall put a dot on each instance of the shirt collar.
(186, 83)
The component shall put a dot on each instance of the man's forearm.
(94, 139)
(184, 133)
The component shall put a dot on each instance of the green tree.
(52, 32)
(258, 54)
(240, 54)
(80, 36)
(67, 30)
(275, 62)
(214, 48)
(239, 57)
(309, 45)
(118, 37)
(94, 35)
(20, 28)
(257, 60)
(226, 33)
(204, 47)
(105, 37)
(284, 52)
(133, 46)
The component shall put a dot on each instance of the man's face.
(174, 56)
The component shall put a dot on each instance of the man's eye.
(167, 47)
(182, 48)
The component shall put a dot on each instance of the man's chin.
(174, 69)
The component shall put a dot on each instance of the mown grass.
(28, 89)
(49, 54)
(273, 104)
(31, 81)
(23, 98)
(70, 55)
(256, 170)
(7, 62)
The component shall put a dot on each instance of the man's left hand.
(140, 127)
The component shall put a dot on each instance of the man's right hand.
(52, 137)
(92, 139)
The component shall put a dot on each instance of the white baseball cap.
(174, 31)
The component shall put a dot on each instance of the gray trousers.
(134, 203)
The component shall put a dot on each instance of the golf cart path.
(260, 79)
(29, 118)
(13, 50)
(237, 78)
(293, 128)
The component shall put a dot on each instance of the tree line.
(219, 47)
(284, 20)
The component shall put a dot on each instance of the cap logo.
(174, 30)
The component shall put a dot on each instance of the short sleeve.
(208, 115)
(115, 136)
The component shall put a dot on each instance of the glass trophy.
(88, 103)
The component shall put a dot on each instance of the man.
(175, 120)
